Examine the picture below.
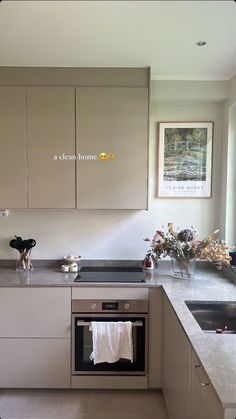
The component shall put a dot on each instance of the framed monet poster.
(185, 159)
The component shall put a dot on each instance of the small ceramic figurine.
(72, 263)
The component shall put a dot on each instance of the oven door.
(82, 346)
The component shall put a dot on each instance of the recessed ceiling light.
(200, 43)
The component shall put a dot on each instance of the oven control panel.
(109, 306)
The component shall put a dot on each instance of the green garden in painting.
(185, 154)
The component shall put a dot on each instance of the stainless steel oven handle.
(134, 324)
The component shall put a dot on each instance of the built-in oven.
(86, 311)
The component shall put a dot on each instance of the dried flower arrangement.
(185, 245)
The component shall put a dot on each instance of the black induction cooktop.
(110, 274)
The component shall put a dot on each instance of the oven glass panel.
(84, 348)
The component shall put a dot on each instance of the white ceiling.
(160, 34)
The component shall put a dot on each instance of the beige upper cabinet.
(43, 126)
(112, 120)
(51, 142)
(13, 148)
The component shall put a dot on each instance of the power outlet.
(4, 213)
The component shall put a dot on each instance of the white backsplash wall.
(119, 234)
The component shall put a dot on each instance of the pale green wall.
(193, 91)
(228, 201)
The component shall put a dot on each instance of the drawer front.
(35, 312)
(204, 402)
(35, 363)
(113, 293)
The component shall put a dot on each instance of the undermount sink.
(214, 316)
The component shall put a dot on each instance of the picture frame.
(185, 159)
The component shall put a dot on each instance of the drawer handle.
(197, 367)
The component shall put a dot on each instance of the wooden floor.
(81, 404)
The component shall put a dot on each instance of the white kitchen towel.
(111, 341)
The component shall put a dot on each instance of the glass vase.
(183, 268)
(23, 262)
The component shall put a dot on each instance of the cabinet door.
(51, 147)
(35, 312)
(204, 403)
(176, 372)
(112, 121)
(35, 363)
(155, 337)
(13, 151)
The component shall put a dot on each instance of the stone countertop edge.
(56, 263)
(216, 352)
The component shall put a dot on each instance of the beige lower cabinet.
(186, 387)
(35, 363)
(204, 402)
(35, 312)
(176, 373)
(155, 338)
(35, 331)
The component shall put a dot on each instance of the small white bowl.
(72, 258)
(74, 268)
(65, 268)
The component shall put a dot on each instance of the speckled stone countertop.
(39, 277)
(216, 352)
(48, 274)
